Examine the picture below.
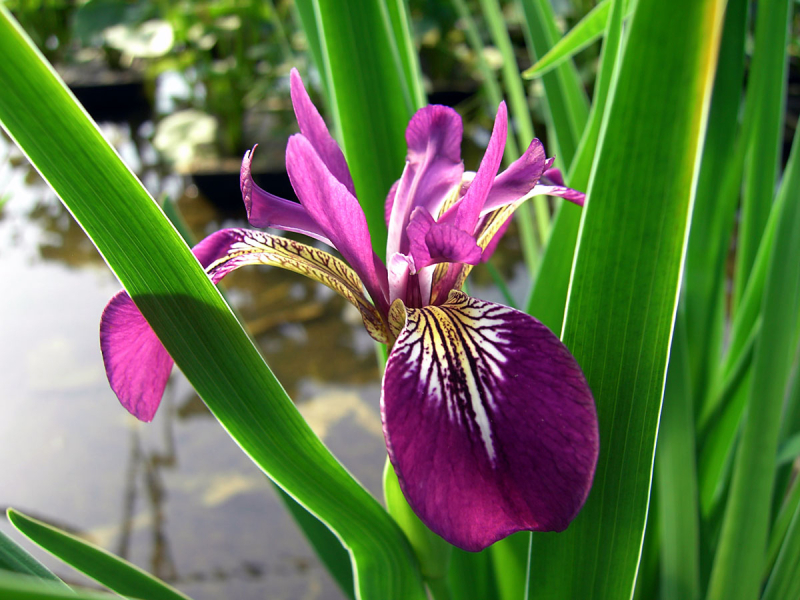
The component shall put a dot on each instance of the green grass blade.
(587, 31)
(784, 582)
(510, 559)
(370, 101)
(783, 520)
(23, 587)
(491, 87)
(471, 575)
(308, 19)
(718, 445)
(15, 559)
(548, 296)
(739, 559)
(624, 287)
(566, 105)
(494, 94)
(521, 117)
(114, 573)
(190, 316)
(326, 545)
(397, 11)
(749, 308)
(677, 478)
(715, 207)
(763, 122)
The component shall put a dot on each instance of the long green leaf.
(715, 206)
(471, 575)
(491, 87)
(625, 283)
(548, 297)
(114, 573)
(190, 316)
(566, 105)
(763, 122)
(521, 117)
(15, 559)
(587, 31)
(677, 478)
(327, 546)
(739, 560)
(23, 587)
(397, 11)
(370, 100)
(781, 526)
(784, 582)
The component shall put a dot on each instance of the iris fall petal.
(488, 420)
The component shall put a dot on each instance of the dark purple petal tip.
(489, 423)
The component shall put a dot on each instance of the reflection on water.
(177, 496)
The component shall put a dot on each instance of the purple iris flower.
(489, 423)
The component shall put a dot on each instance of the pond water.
(177, 496)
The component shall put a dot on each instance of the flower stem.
(438, 588)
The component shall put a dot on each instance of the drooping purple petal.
(518, 179)
(466, 212)
(432, 242)
(137, 364)
(489, 423)
(552, 177)
(338, 214)
(250, 247)
(313, 127)
(433, 168)
(268, 210)
(573, 196)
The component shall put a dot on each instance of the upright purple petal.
(518, 179)
(137, 364)
(338, 214)
(467, 211)
(433, 168)
(313, 127)
(268, 210)
(489, 423)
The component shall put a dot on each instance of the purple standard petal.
(338, 214)
(466, 212)
(433, 168)
(137, 364)
(431, 242)
(518, 179)
(313, 127)
(268, 210)
(488, 420)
